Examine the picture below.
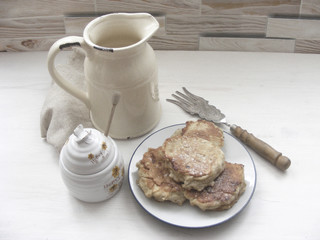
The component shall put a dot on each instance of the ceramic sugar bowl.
(91, 165)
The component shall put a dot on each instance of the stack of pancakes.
(191, 165)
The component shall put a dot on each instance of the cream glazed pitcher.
(118, 60)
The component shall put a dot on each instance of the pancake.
(204, 129)
(154, 180)
(193, 161)
(190, 165)
(224, 193)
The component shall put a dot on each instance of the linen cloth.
(61, 112)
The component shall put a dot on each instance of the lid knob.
(82, 135)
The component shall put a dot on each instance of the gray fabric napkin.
(61, 112)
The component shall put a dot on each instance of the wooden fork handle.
(260, 147)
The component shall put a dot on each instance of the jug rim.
(96, 21)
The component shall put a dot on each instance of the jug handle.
(59, 45)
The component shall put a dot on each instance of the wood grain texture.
(175, 42)
(183, 23)
(250, 7)
(293, 28)
(215, 24)
(152, 6)
(31, 27)
(310, 7)
(75, 25)
(28, 44)
(33, 8)
(247, 44)
(307, 46)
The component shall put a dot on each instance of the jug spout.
(146, 25)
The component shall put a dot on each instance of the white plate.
(186, 215)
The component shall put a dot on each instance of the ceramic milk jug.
(118, 58)
(91, 165)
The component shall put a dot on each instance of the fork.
(196, 105)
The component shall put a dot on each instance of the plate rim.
(179, 225)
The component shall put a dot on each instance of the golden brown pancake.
(224, 193)
(194, 161)
(190, 165)
(204, 129)
(154, 178)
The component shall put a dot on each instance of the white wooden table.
(275, 96)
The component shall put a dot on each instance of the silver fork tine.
(180, 104)
(182, 100)
(186, 97)
(193, 96)
(189, 93)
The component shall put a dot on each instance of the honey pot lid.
(87, 151)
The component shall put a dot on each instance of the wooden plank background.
(218, 25)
